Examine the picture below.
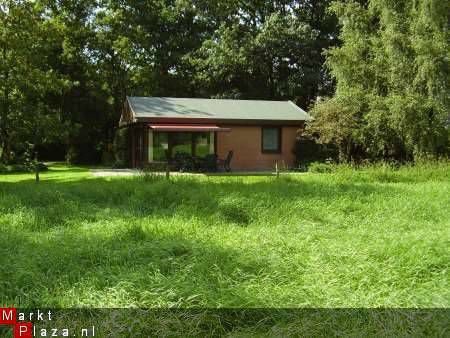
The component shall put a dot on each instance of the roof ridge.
(206, 98)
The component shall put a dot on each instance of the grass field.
(369, 238)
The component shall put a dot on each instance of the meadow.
(375, 237)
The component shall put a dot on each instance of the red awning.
(187, 127)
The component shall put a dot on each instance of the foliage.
(27, 78)
(373, 237)
(392, 75)
(264, 51)
(120, 148)
(308, 149)
(21, 168)
(66, 67)
(319, 167)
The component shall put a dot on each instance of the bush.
(3, 168)
(318, 167)
(308, 150)
(108, 158)
(22, 168)
(14, 168)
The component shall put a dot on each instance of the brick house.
(259, 133)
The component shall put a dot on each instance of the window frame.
(193, 136)
(271, 151)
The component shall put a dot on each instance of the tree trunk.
(271, 80)
(4, 135)
(36, 163)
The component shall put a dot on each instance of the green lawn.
(371, 238)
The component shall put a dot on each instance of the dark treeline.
(67, 66)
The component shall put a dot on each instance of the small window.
(271, 140)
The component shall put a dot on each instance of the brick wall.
(245, 141)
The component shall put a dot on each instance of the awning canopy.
(187, 127)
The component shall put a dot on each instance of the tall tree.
(26, 78)
(269, 50)
(392, 73)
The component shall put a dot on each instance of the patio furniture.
(207, 163)
(225, 164)
(184, 162)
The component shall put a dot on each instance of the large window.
(271, 140)
(180, 143)
(170, 143)
(160, 146)
(202, 142)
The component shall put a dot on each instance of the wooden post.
(167, 171)
(277, 171)
(36, 166)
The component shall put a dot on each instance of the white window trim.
(150, 145)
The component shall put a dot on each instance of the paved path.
(114, 172)
(132, 172)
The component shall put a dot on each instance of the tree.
(27, 78)
(394, 61)
(67, 66)
(268, 50)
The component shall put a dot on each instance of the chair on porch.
(225, 163)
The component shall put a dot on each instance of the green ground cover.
(369, 238)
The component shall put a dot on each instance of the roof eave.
(141, 119)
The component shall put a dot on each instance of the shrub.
(318, 167)
(21, 168)
(308, 150)
(108, 158)
(14, 168)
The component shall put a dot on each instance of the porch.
(193, 147)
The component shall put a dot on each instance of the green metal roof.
(157, 107)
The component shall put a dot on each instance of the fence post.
(36, 166)
(167, 171)
(277, 171)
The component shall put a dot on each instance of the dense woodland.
(374, 74)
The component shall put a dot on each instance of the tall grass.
(374, 237)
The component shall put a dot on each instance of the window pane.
(160, 145)
(202, 142)
(271, 139)
(181, 143)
